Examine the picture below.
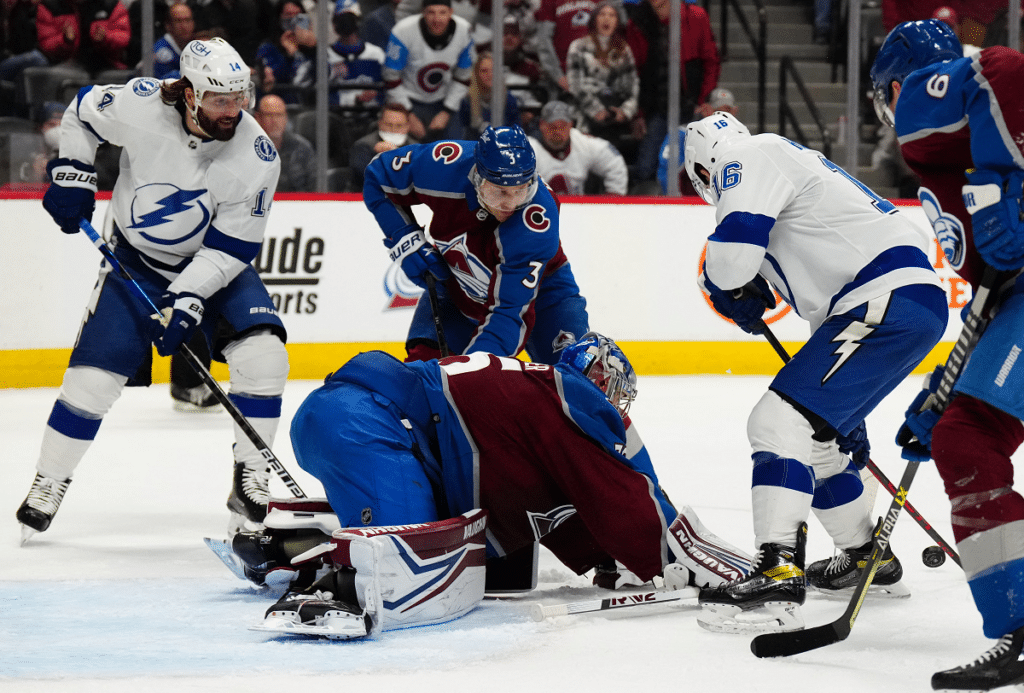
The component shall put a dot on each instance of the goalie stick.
(878, 474)
(539, 612)
(196, 364)
(795, 642)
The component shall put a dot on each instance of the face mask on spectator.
(395, 138)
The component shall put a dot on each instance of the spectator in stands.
(428, 67)
(352, 61)
(975, 16)
(377, 25)
(92, 34)
(284, 63)
(559, 23)
(603, 78)
(22, 51)
(475, 109)
(699, 67)
(167, 50)
(239, 22)
(721, 99)
(298, 161)
(566, 157)
(467, 9)
(392, 131)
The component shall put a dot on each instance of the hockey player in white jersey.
(859, 272)
(427, 68)
(190, 208)
(566, 156)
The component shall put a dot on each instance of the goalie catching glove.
(386, 578)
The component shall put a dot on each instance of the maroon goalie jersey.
(551, 460)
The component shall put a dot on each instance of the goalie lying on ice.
(548, 452)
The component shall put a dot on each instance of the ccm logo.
(89, 178)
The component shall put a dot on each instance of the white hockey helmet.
(704, 139)
(214, 66)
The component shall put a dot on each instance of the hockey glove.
(856, 445)
(417, 257)
(744, 306)
(72, 194)
(182, 313)
(915, 435)
(996, 205)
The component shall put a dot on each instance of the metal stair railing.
(759, 43)
(788, 70)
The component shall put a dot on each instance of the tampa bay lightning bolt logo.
(158, 204)
(146, 87)
(265, 148)
(948, 229)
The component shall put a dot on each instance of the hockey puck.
(933, 556)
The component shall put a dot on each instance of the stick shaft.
(435, 311)
(197, 365)
(541, 611)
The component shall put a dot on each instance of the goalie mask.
(603, 363)
(704, 142)
(220, 81)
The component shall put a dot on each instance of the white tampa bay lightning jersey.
(414, 71)
(567, 171)
(195, 209)
(823, 239)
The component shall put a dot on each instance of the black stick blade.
(794, 642)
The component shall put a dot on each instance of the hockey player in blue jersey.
(189, 216)
(960, 125)
(507, 285)
(859, 272)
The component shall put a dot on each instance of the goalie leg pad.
(416, 575)
(712, 560)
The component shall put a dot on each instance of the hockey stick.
(196, 364)
(539, 612)
(795, 642)
(878, 474)
(435, 310)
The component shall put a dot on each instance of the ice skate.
(1003, 665)
(838, 576)
(194, 400)
(41, 504)
(766, 600)
(248, 498)
(328, 608)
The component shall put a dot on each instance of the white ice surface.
(120, 594)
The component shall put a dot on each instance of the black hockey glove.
(856, 445)
(183, 312)
(744, 306)
(72, 194)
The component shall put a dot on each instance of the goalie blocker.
(386, 578)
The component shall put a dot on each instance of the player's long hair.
(173, 93)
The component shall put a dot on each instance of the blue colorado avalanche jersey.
(496, 267)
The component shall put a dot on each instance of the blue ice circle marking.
(265, 149)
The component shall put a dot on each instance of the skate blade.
(772, 617)
(223, 551)
(26, 534)
(190, 408)
(895, 591)
(332, 627)
(240, 523)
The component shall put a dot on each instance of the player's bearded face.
(218, 113)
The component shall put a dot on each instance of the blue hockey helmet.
(504, 156)
(603, 363)
(909, 47)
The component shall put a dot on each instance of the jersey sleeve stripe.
(243, 250)
(744, 227)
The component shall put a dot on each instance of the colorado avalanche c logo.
(265, 148)
(448, 152)
(170, 209)
(948, 229)
(431, 77)
(536, 218)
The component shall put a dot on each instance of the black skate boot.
(268, 550)
(840, 574)
(249, 493)
(329, 608)
(193, 400)
(767, 599)
(41, 504)
(1003, 665)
